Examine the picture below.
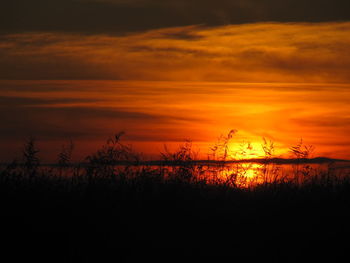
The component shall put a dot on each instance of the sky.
(165, 71)
(123, 16)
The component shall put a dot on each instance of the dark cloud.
(168, 51)
(22, 117)
(91, 16)
(53, 86)
(185, 33)
(24, 101)
(323, 122)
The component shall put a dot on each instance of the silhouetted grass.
(116, 208)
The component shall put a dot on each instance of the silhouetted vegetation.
(116, 207)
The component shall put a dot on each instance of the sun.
(246, 150)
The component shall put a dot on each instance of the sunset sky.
(166, 71)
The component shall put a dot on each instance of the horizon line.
(275, 160)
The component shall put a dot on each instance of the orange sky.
(154, 113)
(282, 81)
(261, 52)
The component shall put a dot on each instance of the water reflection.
(241, 175)
(252, 174)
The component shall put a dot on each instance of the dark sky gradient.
(118, 16)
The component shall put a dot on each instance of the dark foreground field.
(100, 212)
(49, 218)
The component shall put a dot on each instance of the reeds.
(117, 161)
(179, 202)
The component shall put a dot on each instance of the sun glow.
(243, 174)
(246, 150)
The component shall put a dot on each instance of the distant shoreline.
(317, 160)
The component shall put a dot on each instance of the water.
(252, 174)
(241, 175)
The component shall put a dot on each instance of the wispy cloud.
(153, 113)
(265, 52)
(61, 118)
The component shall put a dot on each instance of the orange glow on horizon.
(158, 113)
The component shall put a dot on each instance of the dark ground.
(152, 220)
